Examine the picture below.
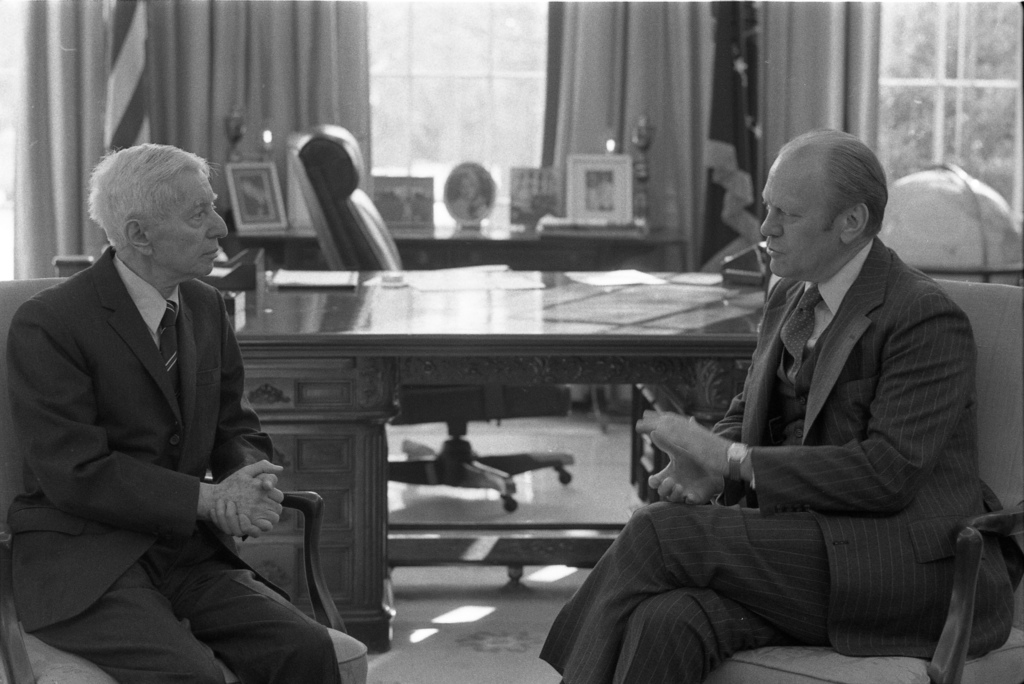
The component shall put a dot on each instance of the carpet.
(500, 646)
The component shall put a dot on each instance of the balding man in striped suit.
(851, 453)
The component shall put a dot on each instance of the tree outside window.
(950, 91)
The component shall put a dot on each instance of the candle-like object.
(610, 145)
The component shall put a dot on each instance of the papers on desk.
(343, 279)
(705, 279)
(614, 278)
(488, 277)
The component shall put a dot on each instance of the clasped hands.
(698, 459)
(245, 503)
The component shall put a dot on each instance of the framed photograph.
(599, 187)
(406, 203)
(533, 194)
(256, 200)
(469, 194)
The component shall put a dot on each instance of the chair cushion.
(815, 665)
(53, 666)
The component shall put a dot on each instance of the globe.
(942, 220)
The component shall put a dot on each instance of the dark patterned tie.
(168, 333)
(799, 327)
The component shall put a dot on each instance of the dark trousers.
(166, 617)
(684, 587)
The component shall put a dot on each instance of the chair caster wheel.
(508, 503)
(564, 476)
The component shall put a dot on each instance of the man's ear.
(138, 237)
(853, 223)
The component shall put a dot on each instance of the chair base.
(457, 465)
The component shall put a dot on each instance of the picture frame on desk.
(599, 188)
(256, 199)
(534, 193)
(406, 203)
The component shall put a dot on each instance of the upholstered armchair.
(996, 313)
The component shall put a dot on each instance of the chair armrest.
(16, 665)
(311, 505)
(947, 664)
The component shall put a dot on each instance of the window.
(11, 23)
(457, 82)
(950, 91)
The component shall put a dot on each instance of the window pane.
(451, 119)
(451, 38)
(520, 37)
(389, 100)
(389, 38)
(905, 130)
(994, 32)
(913, 54)
(987, 150)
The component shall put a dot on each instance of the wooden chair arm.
(16, 665)
(311, 505)
(947, 664)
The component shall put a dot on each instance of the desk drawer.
(336, 384)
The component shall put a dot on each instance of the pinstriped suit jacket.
(888, 463)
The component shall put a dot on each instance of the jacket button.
(175, 439)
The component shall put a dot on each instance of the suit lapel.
(865, 295)
(187, 358)
(127, 322)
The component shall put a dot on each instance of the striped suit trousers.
(684, 587)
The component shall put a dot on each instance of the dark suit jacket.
(111, 461)
(888, 463)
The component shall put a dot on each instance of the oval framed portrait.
(469, 193)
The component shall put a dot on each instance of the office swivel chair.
(327, 164)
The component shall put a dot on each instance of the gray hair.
(137, 183)
(853, 173)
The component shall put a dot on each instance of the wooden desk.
(535, 252)
(322, 368)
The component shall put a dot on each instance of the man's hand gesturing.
(246, 503)
(697, 458)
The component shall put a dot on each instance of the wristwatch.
(737, 454)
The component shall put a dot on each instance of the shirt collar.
(835, 288)
(148, 300)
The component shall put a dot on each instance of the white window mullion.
(939, 111)
(961, 69)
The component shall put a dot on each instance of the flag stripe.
(132, 121)
(126, 121)
(123, 16)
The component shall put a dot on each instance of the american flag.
(127, 112)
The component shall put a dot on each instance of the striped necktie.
(168, 333)
(799, 327)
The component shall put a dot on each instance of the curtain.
(621, 61)
(284, 65)
(824, 57)
(59, 133)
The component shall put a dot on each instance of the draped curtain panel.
(59, 133)
(285, 65)
(823, 57)
(622, 60)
